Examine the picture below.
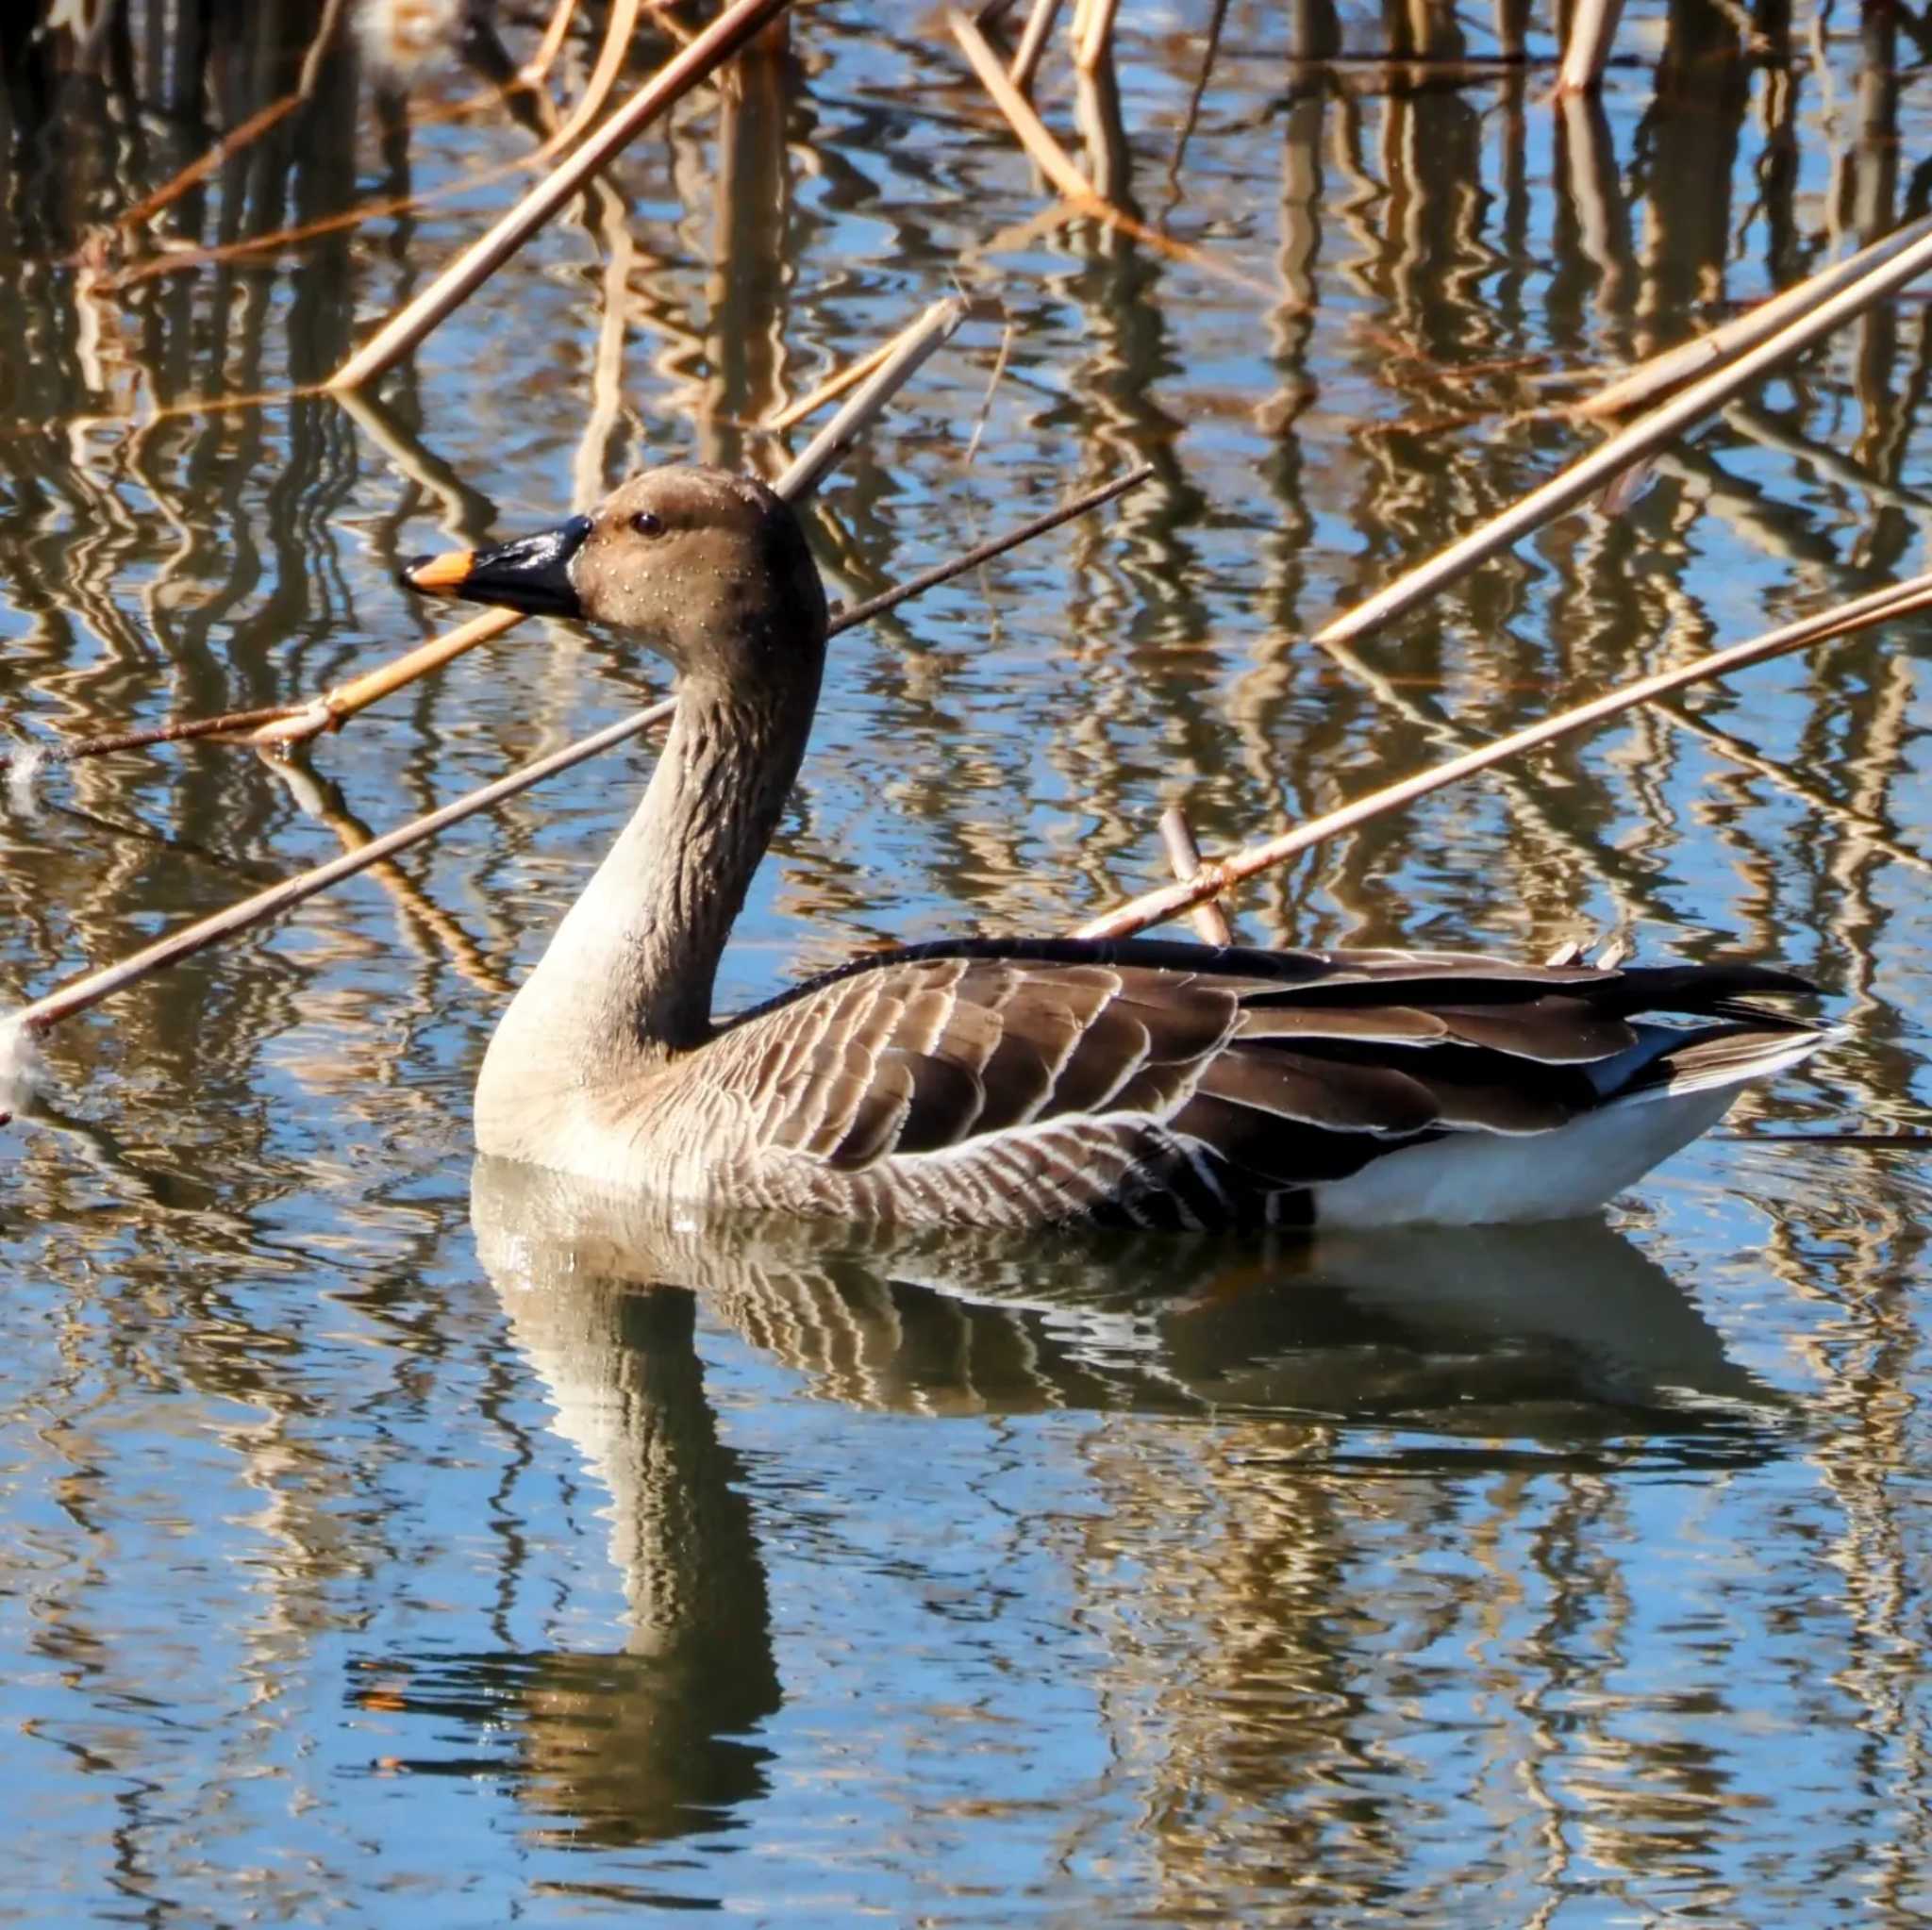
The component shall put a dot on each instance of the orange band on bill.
(449, 571)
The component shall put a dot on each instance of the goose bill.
(532, 575)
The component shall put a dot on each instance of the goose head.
(709, 569)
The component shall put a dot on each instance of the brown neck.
(627, 978)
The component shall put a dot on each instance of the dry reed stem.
(986, 552)
(829, 389)
(182, 729)
(532, 75)
(1046, 154)
(905, 353)
(1648, 434)
(1731, 338)
(1859, 825)
(257, 125)
(334, 708)
(1092, 32)
(1080, 196)
(1435, 67)
(1592, 28)
(91, 987)
(1183, 855)
(729, 32)
(184, 260)
(1033, 42)
(1196, 94)
(1153, 908)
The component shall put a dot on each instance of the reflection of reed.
(1853, 1248)
(1430, 255)
(745, 309)
(239, 568)
(1293, 1717)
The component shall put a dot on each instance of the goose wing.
(1146, 1067)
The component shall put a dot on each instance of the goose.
(1020, 1083)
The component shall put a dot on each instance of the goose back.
(1153, 1084)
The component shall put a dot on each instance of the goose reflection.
(1559, 1335)
(650, 1743)
(1551, 1332)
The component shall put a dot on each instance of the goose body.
(1022, 1083)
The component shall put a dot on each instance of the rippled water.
(378, 1538)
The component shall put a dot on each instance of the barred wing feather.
(1164, 1083)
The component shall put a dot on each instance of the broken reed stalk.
(334, 708)
(829, 389)
(905, 353)
(92, 987)
(1184, 857)
(528, 78)
(1642, 438)
(855, 373)
(1216, 875)
(730, 32)
(288, 723)
(986, 552)
(1046, 154)
(1731, 338)
(187, 260)
(181, 731)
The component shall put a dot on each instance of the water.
(380, 1543)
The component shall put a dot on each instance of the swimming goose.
(1026, 1082)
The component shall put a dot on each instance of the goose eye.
(647, 525)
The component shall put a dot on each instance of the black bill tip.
(532, 573)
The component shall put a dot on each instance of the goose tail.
(1682, 1083)
(1714, 1061)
